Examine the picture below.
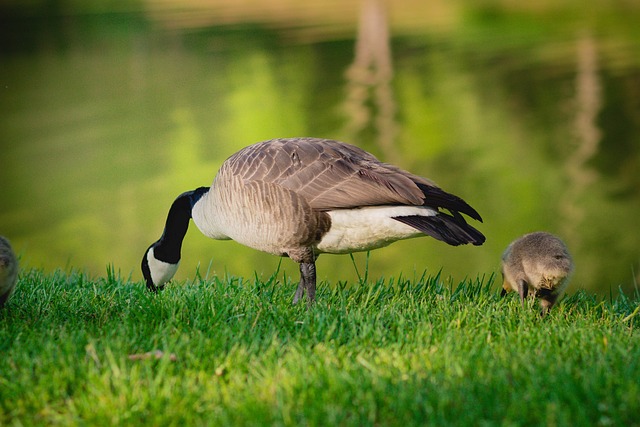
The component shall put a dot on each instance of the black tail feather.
(451, 229)
(438, 198)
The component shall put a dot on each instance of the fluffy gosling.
(538, 260)
(8, 270)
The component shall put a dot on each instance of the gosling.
(8, 270)
(538, 260)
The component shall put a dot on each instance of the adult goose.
(299, 197)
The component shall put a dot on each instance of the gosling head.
(8, 270)
(539, 262)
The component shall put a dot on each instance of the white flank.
(161, 272)
(363, 229)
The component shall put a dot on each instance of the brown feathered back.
(327, 174)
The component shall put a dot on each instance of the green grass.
(236, 352)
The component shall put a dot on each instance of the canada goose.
(8, 270)
(299, 197)
(538, 260)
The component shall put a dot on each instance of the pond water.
(530, 115)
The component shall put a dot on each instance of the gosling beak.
(547, 299)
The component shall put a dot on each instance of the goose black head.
(157, 272)
(160, 261)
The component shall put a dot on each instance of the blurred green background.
(531, 113)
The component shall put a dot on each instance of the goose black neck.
(169, 246)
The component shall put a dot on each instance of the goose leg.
(300, 291)
(307, 260)
(308, 271)
(523, 290)
(307, 282)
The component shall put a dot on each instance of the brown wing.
(328, 174)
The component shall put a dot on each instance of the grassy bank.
(82, 351)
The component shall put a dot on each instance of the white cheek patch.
(161, 272)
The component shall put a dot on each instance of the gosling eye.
(558, 256)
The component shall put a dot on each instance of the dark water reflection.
(531, 117)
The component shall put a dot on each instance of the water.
(532, 116)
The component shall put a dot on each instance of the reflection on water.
(369, 97)
(532, 116)
(580, 176)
